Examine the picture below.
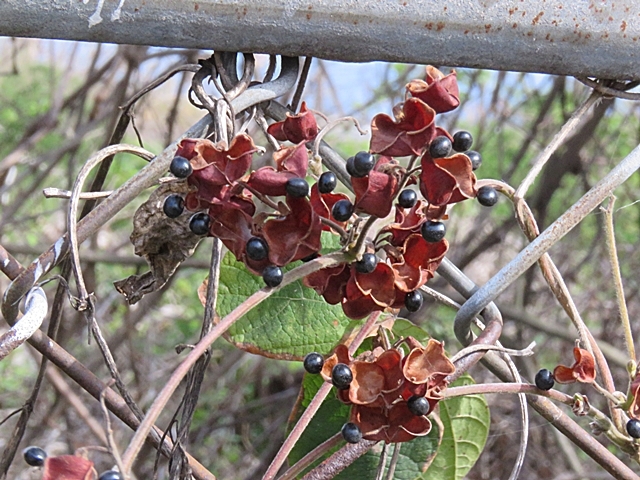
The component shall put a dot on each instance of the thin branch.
(617, 277)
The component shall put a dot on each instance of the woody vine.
(366, 235)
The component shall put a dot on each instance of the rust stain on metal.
(439, 26)
(537, 18)
(513, 10)
(515, 25)
(623, 26)
(429, 26)
(487, 27)
(196, 7)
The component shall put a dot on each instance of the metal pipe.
(538, 247)
(599, 39)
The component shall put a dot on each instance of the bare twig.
(553, 145)
(617, 278)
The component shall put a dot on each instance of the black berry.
(297, 187)
(350, 167)
(363, 163)
(487, 196)
(633, 428)
(272, 276)
(34, 456)
(544, 379)
(418, 405)
(257, 249)
(413, 301)
(462, 141)
(199, 224)
(180, 167)
(313, 362)
(407, 198)
(111, 475)
(173, 206)
(341, 376)
(433, 232)
(367, 264)
(475, 157)
(342, 210)
(351, 432)
(327, 182)
(440, 147)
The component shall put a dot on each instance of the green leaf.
(289, 324)
(466, 426)
(403, 328)
(414, 455)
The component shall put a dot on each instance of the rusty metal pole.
(595, 38)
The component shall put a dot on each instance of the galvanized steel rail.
(582, 38)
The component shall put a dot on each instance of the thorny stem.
(617, 277)
(201, 347)
(314, 405)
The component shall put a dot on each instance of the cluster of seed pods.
(271, 216)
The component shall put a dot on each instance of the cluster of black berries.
(341, 377)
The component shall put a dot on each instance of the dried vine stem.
(611, 92)
(617, 277)
(174, 381)
(86, 301)
(75, 199)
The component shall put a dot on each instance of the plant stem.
(314, 405)
(174, 381)
(617, 277)
(311, 457)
